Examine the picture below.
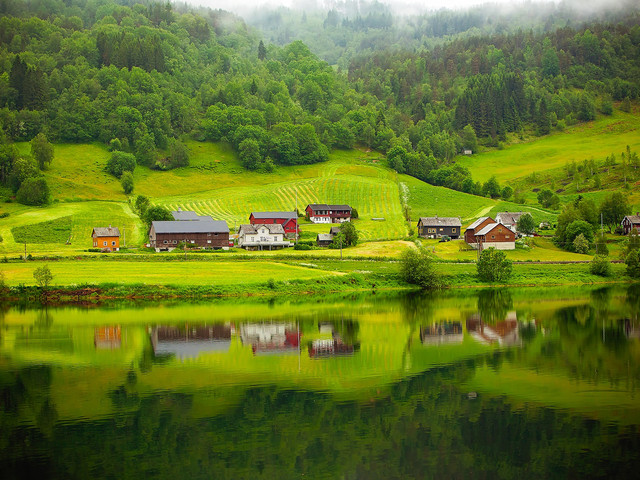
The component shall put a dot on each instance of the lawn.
(596, 140)
(161, 273)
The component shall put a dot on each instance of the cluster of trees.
(140, 75)
(580, 220)
(23, 174)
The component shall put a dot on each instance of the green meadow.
(595, 140)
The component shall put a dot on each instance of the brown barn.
(204, 232)
(106, 238)
(496, 235)
(479, 224)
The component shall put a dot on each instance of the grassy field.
(596, 140)
(161, 273)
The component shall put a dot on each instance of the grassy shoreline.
(139, 280)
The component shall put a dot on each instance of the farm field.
(161, 272)
(595, 140)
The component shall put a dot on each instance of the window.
(453, 230)
(507, 237)
(208, 241)
(164, 241)
(499, 230)
(95, 244)
(440, 229)
(113, 243)
(493, 237)
(104, 243)
(175, 241)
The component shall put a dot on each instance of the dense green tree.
(262, 51)
(600, 266)
(43, 276)
(145, 150)
(23, 168)
(632, 261)
(126, 180)
(614, 208)
(249, 152)
(156, 213)
(417, 267)
(469, 138)
(575, 229)
(178, 154)
(141, 205)
(491, 188)
(120, 162)
(493, 266)
(33, 191)
(41, 151)
(348, 229)
(526, 224)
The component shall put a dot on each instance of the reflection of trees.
(493, 304)
(44, 319)
(425, 428)
(347, 330)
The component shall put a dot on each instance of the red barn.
(288, 220)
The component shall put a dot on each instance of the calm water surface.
(492, 384)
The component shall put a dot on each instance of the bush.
(600, 266)
(633, 264)
(417, 268)
(301, 246)
(127, 182)
(493, 266)
(33, 191)
(580, 244)
(120, 162)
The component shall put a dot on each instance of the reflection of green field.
(161, 273)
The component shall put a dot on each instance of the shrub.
(633, 264)
(494, 266)
(120, 162)
(300, 246)
(417, 268)
(43, 276)
(33, 191)
(600, 266)
(580, 244)
(127, 182)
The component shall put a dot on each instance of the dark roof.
(441, 221)
(106, 232)
(478, 222)
(251, 229)
(264, 215)
(185, 215)
(202, 225)
(324, 206)
(334, 230)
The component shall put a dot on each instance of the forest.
(141, 76)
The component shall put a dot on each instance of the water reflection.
(505, 384)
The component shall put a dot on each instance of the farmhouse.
(631, 222)
(470, 232)
(495, 235)
(324, 239)
(262, 237)
(437, 227)
(204, 232)
(323, 213)
(288, 220)
(106, 238)
(509, 219)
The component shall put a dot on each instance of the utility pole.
(296, 215)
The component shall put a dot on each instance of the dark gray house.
(204, 232)
(437, 227)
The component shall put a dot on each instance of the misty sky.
(244, 5)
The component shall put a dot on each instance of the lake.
(524, 383)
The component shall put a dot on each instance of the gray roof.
(334, 230)
(490, 227)
(478, 222)
(106, 232)
(441, 221)
(273, 228)
(264, 215)
(185, 215)
(202, 225)
(634, 219)
(509, 218)
(324, 237)
(324, 206)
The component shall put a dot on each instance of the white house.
(262, 237)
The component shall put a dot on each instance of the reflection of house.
(331, 348)
(271, 338)
(107, 238)
(262, 237)
(437, 227)
(190, 341)
(444, 332)
(504, 332)
(107, 338)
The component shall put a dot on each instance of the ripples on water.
(522, 384)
